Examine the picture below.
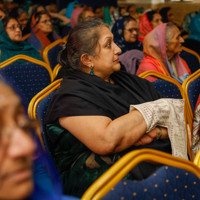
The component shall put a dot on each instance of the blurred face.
(23, 20)
(52, 8)
(130, 31)
(174, 45)
(16, 148)
(157, 20)
(45, 24)
(123, 11)
(107, 59)
(88, 14)
(13, 30)
(170, 15)
(40, 8)
(99, 13)
(2, 14)
(132, 11)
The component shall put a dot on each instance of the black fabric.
(82, 94)
(192, 44)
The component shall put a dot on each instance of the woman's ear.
(86, 60)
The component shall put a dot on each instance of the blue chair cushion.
(193, 92)
(167, 183)
(167, 89)
(41, 111)
(28, 77)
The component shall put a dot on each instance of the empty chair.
(29, 77)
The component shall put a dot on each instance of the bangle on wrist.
(158, 137)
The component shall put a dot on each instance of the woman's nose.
(21, 144)
(117, 49)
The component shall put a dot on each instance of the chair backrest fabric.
(30, 78)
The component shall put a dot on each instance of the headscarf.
(155, 48)
(194, 27)
(144, 26)
(118, 32)
(69, 9)
(10, 48)
(75, 14)
(107, 17)
(131, 60)
(38, 39)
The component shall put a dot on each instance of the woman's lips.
(21, 174)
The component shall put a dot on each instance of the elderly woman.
(88, 123)
(161, 48)
(147, 22)
(125, 33)
(42, 33)
(11, 43)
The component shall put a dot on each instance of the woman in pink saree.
(162, 47)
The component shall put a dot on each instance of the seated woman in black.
(89, 126)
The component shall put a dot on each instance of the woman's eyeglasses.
(14, 27)
(46, 21)
(131, 30)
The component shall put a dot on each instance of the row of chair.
(169, 88)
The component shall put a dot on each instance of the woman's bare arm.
(103, 135)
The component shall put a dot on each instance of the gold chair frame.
(38, 97)
(29, 59)
(46, 50)
(185, 86)
(123, 166)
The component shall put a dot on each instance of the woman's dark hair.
(6, 20)
(163, 13)
(16, 12)
(83, 39)
(150, 15)
(127, 19)
(38, 15)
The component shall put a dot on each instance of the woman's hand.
(152, 135)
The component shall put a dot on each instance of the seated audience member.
(11, 43)
(88, 123)
(22, 17)
(2, 14)
(70, 8)
(147, 22)
(193, 28)
(75, 14)
(85, 15)
(98, 11)
(132, 11)
(168, 16)
(42, 33)
(109, 15)
(59, 21)
(23, 171)
(125, 33)
(161, 49)
(37, 8)
(122, 11)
